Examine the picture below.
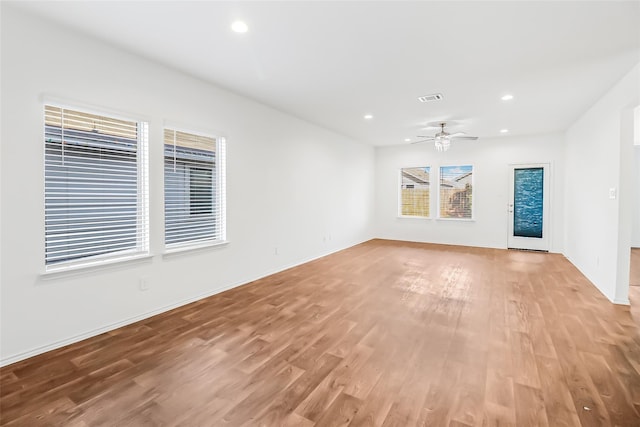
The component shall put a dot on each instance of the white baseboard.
(92, 333)
(622, 301)
(97, 331)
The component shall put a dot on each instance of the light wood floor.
(384, 333)
(634, 276)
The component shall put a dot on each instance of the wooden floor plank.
(382, 333)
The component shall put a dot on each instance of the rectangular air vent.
(430, 98)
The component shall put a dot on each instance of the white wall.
(599, 157)
(490, 158)
(635, 224)
(290, 185)
(635, 186)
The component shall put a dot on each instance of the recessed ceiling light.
(507, 97)
(368, 116)
(407, 140)
(239, 27)
(504, 130)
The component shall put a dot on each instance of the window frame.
(399, 188)
(439, 208)
(218, 193)
(142, 248)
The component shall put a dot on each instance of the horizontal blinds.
(456, 192)
(194, 188)
(414, 191)
(94, 186)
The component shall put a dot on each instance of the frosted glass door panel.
(529, 207)
(528, 202)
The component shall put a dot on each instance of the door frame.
(531, 243)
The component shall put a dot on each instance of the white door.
(529, 207)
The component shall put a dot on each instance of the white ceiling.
(332, 62)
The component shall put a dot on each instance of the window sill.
(91, 266)
(413, 217)
(177, 250)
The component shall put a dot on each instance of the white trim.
(194, 130)
(591, 282)
(624, 301)
(65, 270)
(182, 248)
(97, 331)
(399, 189)
(107, 328)
(473, 190)
(142, 168)
(218, 189)
(68, 104)
(517, 242)
(143, 187)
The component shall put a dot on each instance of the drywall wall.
(635, 183)
(490, 159)
(599, 161)
(635, 188)
(291, 185)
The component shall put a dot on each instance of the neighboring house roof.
(457, 182)
(463, 176)
(417, 175)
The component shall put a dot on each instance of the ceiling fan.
(443, 139)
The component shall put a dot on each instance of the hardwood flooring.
(634, 276)
(382, 334)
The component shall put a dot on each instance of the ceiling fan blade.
(425, 136)
(456, 135)
(464, 138)
(423, 140)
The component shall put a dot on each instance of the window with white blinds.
(95, 188)
(194, 190)
(414, 191)
(456, 192)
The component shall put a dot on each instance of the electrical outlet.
(275, 251)
(143, 283)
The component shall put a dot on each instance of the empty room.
(310, 213)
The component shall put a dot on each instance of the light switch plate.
(612, 193)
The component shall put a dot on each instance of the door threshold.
(528, 250)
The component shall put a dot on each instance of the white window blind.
(414, 191)
(194, 189)
(456, 192)
(95, 187)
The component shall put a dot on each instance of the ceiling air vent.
(430, 98)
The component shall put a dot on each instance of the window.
(194, 188)
(200, 191)
(95, 187)
(414, 191)
(456, 192)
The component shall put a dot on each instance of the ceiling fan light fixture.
(442, 139)
(442, 143)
